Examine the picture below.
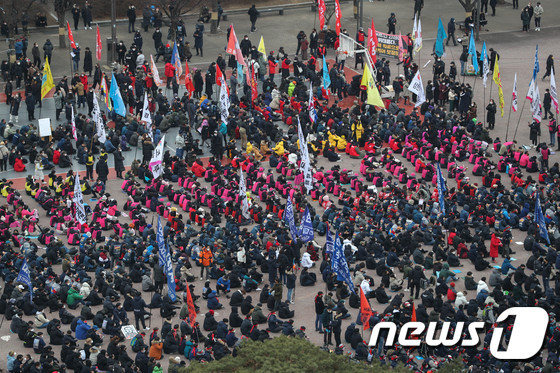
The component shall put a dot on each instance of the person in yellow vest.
(89, 165)
(279, 148)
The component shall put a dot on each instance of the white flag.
(553, 92)
(514, 94)
(74, 134)
(224, 100)
(79, 201)
(305, 163)
(485, 70)
(99, 125)
(156, 163)
(534, 97)
(243, 195)
(146, 116)
(417, 88)
(157, 81)
(417, 32)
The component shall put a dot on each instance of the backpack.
(136, 347)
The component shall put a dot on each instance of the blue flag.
(24, 277)
(326, 76)
(536, 68)
(290, 219)
(329, 246)
(306, 227)
(539, 218)
(441, 190)
(339, 265)
(115, 95)
(176, 62)
(165, 261)
(472, 52)
(441, 35)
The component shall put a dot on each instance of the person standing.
(277, 291)
(76, 15)
(319, 309)
(552, 129)
(205, 258)
(131, 14)
(451, 32)
(30, 103)
(491, 114)
(547, 103)
(58, 102)
(313, 42)
(119, 162)
(139, 306)
(549, 66)
(525, 19)
(300, 37)
(47, 50)
(392, 24)
(538, 12)
(88, 61)
(198, 41)
(327, 320)
(515, 4)
(76, 58)
(101, 167)
(36, 55)
(89, 166)
(290, 285)
(418, 5)
(493, 4)
(253, 15)
(86, 15)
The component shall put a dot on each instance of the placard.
(388, 44)
(45, 129)
(129, 331)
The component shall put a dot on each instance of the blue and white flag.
(239, 72)
(165, 261)
(176, 62)
(306, 227)
(441, 190)
(24, 277)
(290, 219)
(326, 76)
(472, 52)
(340, 266)
(485, 65)
(115, 96)
(539, 218)
(536, 68)
(305, 164)
(311, 105)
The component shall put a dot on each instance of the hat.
(452, 284)
(211, 312)
(20, 287)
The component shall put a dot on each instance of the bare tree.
(15, 11)
(61, 7)
(174, 9)
(468, 5)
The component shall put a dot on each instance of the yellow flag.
(373, 96)
(498, 80)
(261, 47)
(48, 83)
(365, 77)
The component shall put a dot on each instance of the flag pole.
(507, 127)
(519, 120)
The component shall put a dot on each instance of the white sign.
(45, 129)
(129, 331)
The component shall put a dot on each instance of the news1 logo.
(526, 339)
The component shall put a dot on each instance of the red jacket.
(169, 70)
(495, 244)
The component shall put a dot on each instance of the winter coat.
(88, 61)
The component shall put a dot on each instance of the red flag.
(188, 79)
(254, 91)
(338, 14)
(98, 45)
(322, 9)
(233, 47)
(413, 317)
(372, 43)
(190, 305)
(70, 36)
(401, 49)
(365, 310)
(219, 75)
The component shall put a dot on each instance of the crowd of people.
(404, 248)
